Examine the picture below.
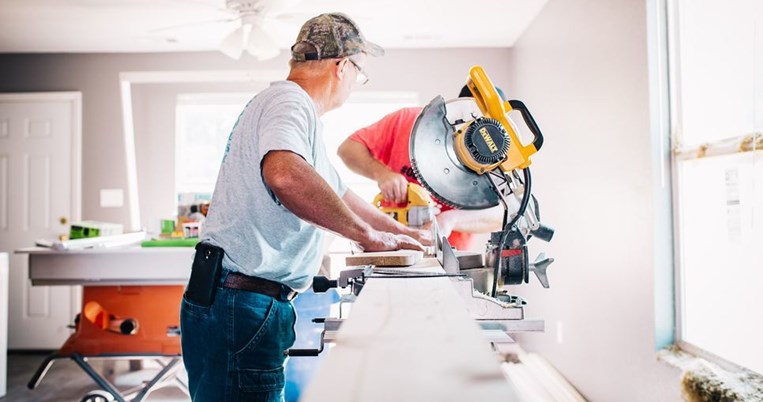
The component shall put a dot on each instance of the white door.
(40, 159)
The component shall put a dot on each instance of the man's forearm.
(393, 186)
(360, 160)
(475, 221)
(377, 219)
(304, 192)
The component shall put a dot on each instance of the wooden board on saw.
(399, 258)
(410, 340)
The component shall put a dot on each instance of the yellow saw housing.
(417, 211)
(495, 131)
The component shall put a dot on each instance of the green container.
(82, 232)
(168, 226)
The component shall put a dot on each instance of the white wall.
(581, 68)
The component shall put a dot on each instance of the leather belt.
(239, 281)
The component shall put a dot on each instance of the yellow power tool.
(468, 154)
(416, 212)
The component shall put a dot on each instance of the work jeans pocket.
(252, 315)
(261, 381)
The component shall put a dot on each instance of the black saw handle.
(530, 121)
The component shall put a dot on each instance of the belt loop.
(223, 276)
(287, 293)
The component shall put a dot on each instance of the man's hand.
(385, 241)
(423, 236)
(393, 186)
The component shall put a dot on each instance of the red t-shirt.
(387, 140)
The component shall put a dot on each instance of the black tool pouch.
(205, 273)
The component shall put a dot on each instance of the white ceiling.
(137, 25)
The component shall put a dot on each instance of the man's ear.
(340, 69)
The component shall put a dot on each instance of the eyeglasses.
(362, 77)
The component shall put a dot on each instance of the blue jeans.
(234, 349)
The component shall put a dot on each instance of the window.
(204, 122)
(717, 122)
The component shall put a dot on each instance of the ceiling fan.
(250, 36)
(251, 18)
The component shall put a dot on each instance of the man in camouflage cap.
(275, 191)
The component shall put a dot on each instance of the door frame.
(75, 99)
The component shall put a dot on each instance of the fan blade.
(233, 44)
(261, 45)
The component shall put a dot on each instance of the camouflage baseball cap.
(330, 36)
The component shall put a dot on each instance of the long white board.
(410, 340)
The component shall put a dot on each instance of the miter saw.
(467, 153)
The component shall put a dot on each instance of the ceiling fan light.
(261, 45)
(233, 44)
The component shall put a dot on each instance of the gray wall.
(582, 70)
(428, 72)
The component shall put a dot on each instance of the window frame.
(679, 154)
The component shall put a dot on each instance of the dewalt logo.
(488, 140)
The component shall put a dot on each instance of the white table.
(110, 266)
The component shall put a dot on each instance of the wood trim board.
(399, 258)
(410, 339)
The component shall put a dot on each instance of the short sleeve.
(288, 126)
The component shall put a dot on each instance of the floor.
(67, 382)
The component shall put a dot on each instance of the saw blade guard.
(434, 159)
(454, 144)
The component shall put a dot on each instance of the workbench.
(130, 311)
(410, 339)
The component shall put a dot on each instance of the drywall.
(582, 69)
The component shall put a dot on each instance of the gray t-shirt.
(259, 235)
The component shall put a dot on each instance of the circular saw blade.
(434, 159)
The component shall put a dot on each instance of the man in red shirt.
(380, 152)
